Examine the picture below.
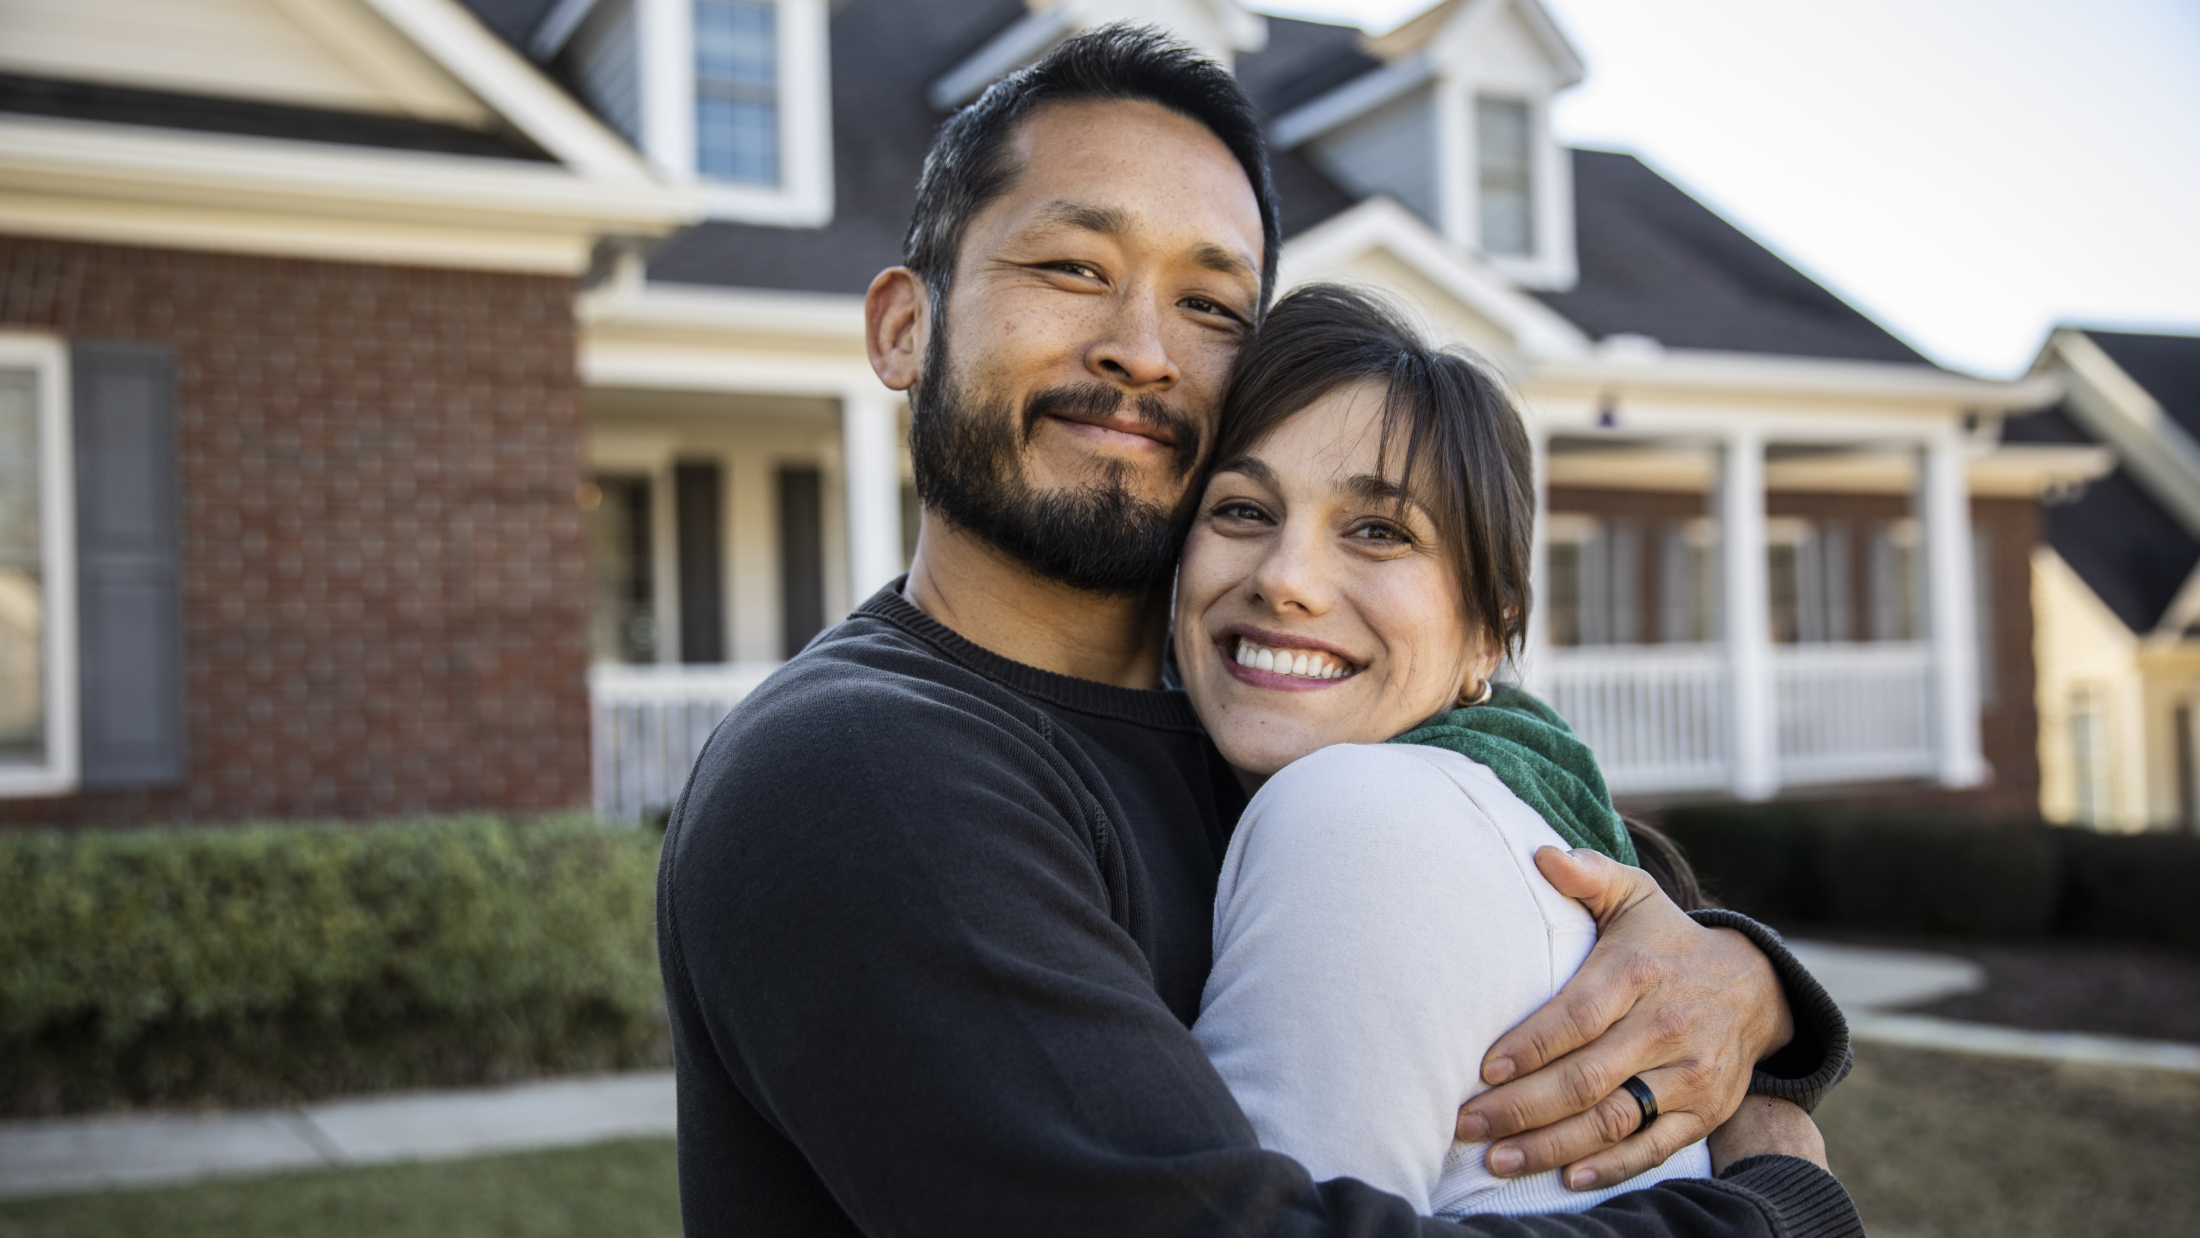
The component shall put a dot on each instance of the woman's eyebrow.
(1250, 466)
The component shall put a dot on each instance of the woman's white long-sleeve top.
(1379, 923)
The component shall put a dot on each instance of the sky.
(1968, 172)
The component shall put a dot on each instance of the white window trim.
(804, 196)
(48, 358)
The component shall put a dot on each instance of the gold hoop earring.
(1489, 689)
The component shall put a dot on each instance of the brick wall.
(384, 582)
(2008, 720)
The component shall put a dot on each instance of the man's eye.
(1206, 306)
(1083, 270)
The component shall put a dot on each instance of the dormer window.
(732, 95)
(1504, 157)
(736, 91)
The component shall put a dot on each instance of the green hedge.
(1855, 867)
(264, 963)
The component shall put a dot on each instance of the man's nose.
(1131, 350)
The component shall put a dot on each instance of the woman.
(1355, 574)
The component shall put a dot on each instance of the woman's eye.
(1388, 533)
(1238, 511)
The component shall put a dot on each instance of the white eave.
(2161, 455)
(1703, 370)
(224, 191)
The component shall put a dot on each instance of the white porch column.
(870, 453)
(1535, 645)
(1944, 509)
(1752, 711)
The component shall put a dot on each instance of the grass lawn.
(1932, 1145)
(1938, 1145)
(623, 1188)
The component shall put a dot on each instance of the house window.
(37, 636)
(737, 91)
(1688, 582)
(1894, 581)
(1807, 575)
(1595, 581)
(622, 617)
(1504, 144)
(2088, 764)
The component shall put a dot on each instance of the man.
(935, 907)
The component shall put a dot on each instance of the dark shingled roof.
(2129, 549)
(1656, 262)
(1303, 61)
(160, 109)
(2168, 366)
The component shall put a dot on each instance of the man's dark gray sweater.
(934, 925)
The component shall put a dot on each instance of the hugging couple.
(967, 924)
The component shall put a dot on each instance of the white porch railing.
(1656, 715)
(1850, 713)
(648, 724)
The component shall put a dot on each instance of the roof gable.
(2166, 367)
(336, 55)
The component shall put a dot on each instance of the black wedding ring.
(1635, 1087)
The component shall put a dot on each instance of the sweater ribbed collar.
(1161, 708)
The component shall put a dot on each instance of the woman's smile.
(1267, 659)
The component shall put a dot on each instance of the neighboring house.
(290, 410)
(424, 483)
(2117, 584)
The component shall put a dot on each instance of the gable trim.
(513, 87)
(1537, 330)
(2111, 404)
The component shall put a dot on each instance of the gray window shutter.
(130, 643)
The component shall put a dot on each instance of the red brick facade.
(2008, 716)
(384, 578)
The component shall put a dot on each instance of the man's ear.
(897, 320)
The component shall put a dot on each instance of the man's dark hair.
(969, 164)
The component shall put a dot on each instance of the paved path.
(79, 1154)
(88, 1154)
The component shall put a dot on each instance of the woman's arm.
(1377, 928)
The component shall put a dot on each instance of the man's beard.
(1098, 537)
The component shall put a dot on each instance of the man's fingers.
(1608, 1143)
(1563, 1090)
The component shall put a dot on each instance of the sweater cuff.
(1808, 1066)
(1808, 1201)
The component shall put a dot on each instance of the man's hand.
(1766, 1126)
(1688, 1008)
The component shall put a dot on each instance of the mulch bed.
(2111, 989)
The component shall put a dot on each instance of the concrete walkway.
(85, 1154)
(89, 1154)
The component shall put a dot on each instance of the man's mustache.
(1098, 401)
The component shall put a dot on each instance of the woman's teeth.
(1304, 663)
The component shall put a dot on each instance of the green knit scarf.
(1535, 754)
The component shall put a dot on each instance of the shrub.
(2137, 887)
(1859, 867)
(264, 963)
